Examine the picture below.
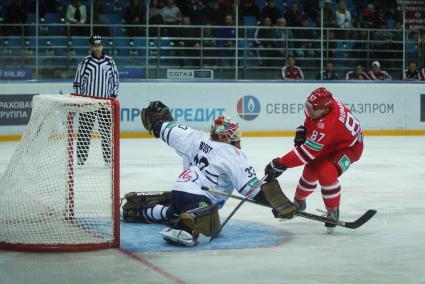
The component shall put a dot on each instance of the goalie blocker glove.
(273, 170)
(154, 115)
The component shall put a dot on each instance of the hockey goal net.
(60, 190)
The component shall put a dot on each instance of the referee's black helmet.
(95, 40)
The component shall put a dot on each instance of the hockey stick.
(237, 207)
(351, 225)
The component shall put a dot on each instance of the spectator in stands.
(155, 7)
(343, 16)
(31, 7)
(329, 16)
(16, 13)
(215, 15)
(422, 72)
(76, 13)
(196, 11)
(357, 74)
(369, 17)
(270, 11)
(343, 19)
(329, 72)
(283, 39)
(188, 44)
(293, 16)
(311, 9)
(99, 18)
(389, 6)
(135, 15)
(377, 74)
(383, 45)
(330, 44)
(412, 73)
(381, 18)
(248, 8)
(227, 7)
(264, 42)
(304, 40)
(360, 47)
(226, 41)
(229, 32)
(290, 71)
(170, 13)
(209, 46)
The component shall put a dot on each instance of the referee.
(97, 77)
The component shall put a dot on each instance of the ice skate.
(333, 215)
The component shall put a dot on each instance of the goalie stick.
(236, 208)
(351, 225)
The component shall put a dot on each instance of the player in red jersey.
(328, 143)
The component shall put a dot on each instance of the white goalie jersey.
(208, 163)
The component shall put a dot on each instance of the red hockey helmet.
(319, 99)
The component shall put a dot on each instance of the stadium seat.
(114, 19)
(13, 45)
(59, 45)
(121, 47)
(14, 41)
(390, 23)
(51, 18)
(31, 18)
(80, 45)
(109, 7)
(139, 42)
(250, 21)
(79, 42)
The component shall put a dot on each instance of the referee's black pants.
(86, 123)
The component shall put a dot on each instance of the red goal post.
(49, 201)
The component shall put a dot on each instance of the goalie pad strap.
(204, 221)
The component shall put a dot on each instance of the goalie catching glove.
(154, 115)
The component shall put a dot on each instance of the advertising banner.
(15, 109)
(16, 74)
(259, 106)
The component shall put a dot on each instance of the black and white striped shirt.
(97, 77)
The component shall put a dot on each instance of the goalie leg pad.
(136, 202)
(205, 221)
(282, 206)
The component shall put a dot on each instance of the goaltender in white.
(210, 161)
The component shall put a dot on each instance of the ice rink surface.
(390, 248)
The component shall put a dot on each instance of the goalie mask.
(225, 129)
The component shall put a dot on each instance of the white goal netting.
(60, 189)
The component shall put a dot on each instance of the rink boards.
(267, 108)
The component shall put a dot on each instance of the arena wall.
(265, 108)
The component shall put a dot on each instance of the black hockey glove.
(273, 170)
(154, 115)
(300, 136)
